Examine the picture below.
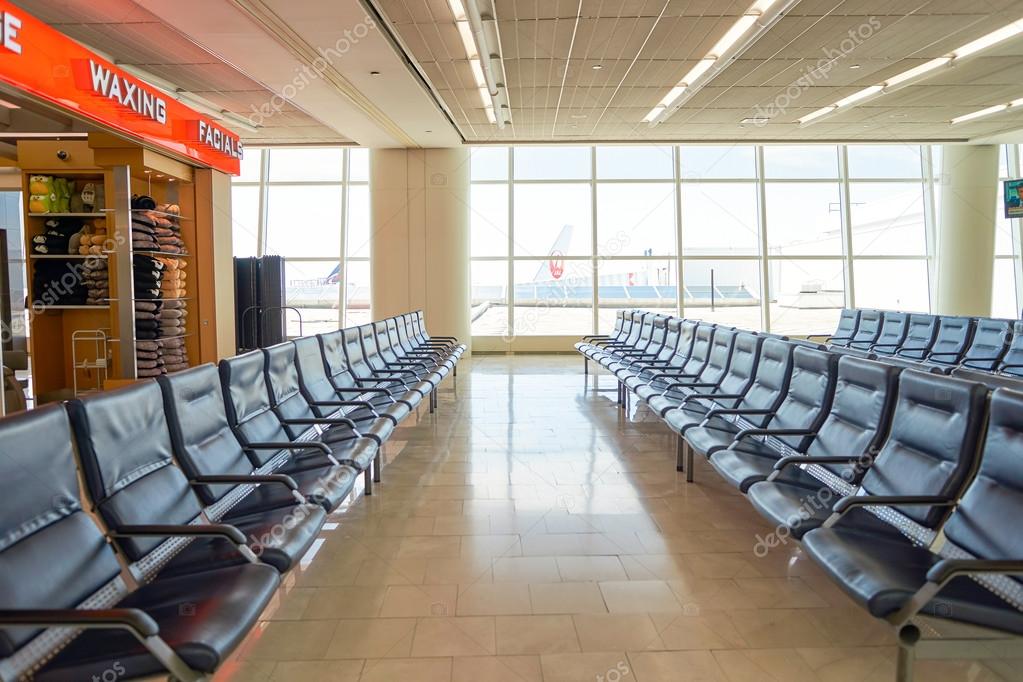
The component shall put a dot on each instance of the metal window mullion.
(509, 264)
(846, 217)
(930, 224)
(1017, 231)
(594, 256)
(342, 289)
(765, 271)
(264, 175)
(679, 284)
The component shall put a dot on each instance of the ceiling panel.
(821, 51)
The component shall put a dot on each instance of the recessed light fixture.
(482, 42)
(920, 70)
(374, 73)
(597, 67)
(578, 116)
(854, 66)
(754, 120)
(980, 113)
(760, 16)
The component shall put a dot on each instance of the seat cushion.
(358, 453)
(681, 420)
(280, 537)
(715, 435)
(326, 486)
(264, 496)
(369, 426)
(743, 468)
(796, 501)
(203, 617)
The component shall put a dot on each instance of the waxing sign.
(47, 65)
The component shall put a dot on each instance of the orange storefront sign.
(48, 65)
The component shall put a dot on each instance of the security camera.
(63, 154)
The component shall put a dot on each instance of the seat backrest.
(312, 375)
(52, 554)
(286, 395)
(1012, 361)
(639, 321)
(920, 332)
(248, 406)
(984, 522)
(684, 347)
(848, 321)
(868, 329)
(382, 341)
(127, 459)
(203, 441)
(741, 367)
(808, 398)
(989, 379)
(672, 334)
(860, 415)
(367, 339)
(406, 332)
(952, 340)
(397, 345)
(720, 356)
(771, 381)
(989, 344)
(892, 334)
(703, 339)
(658, 335)
(340, 349)
(933, 443)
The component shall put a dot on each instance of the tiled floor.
(530, 531)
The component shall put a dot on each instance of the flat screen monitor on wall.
(1013, 190)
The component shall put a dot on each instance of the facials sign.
(48, 65)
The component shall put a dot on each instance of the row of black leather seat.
(946, 341)
(902, 484)
(144, 530)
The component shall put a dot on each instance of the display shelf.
(74, 307)
(154, 300)
(61, 256)
(162, 254)
(102, 214)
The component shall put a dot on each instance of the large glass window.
(720, 219)
(311, 206)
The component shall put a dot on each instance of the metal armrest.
(847, 504)
(674, 375)
(710, 396)
(773, 432)
(222, 530)
(790, 460)
(345, 403)
(312, 421)
(946, 569)
(288, 445)
(884, 345)
(283, 479)
(140, 623)
(736, 410)
(380, 391)
(374, 381)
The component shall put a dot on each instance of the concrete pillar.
(966, 235)
(216, 300)
(419, 251)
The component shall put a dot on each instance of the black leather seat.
(127, 460)
(699, 354)
(799, 493)
(920, 333)
(951, 340)
(752, 454)
(635, 346)
(208, 450)
(685, 337)
(655, 350)
(1012, 361)
(344, 424)
(391, 353)
(432, 354)
(418, 326)
(56, 559)
(989, 344)
(848, 322)
(373, 358)
(266, 441)
(640, 321)
(867, 331)
(342, 357)
(324, 397)
(620, 331)
(713, 372)
(929, 456)
(892, 335)
(898, 579)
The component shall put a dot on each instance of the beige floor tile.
(372, 638)
(607, 632)
(345, 602)
(497, 669)
(693, 629)
(493, 599)
(764, 665)
(391, 572)
(419, 600)
(673, 666)
(575, 568)
(570, 598)
(585, 666)
(290, 641)
(418, 669)
(639, 596)
(536, 635)
(321, 671)
(526, 570)
(469, 636)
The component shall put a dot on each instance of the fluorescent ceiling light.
(731, 37)
(458, 9)
(917, 71)
(922, 70)
(748, 26)
(468, 42)
(998, 108)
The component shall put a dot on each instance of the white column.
(419, 251)
(966, 234)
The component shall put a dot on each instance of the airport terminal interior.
(511, 340)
